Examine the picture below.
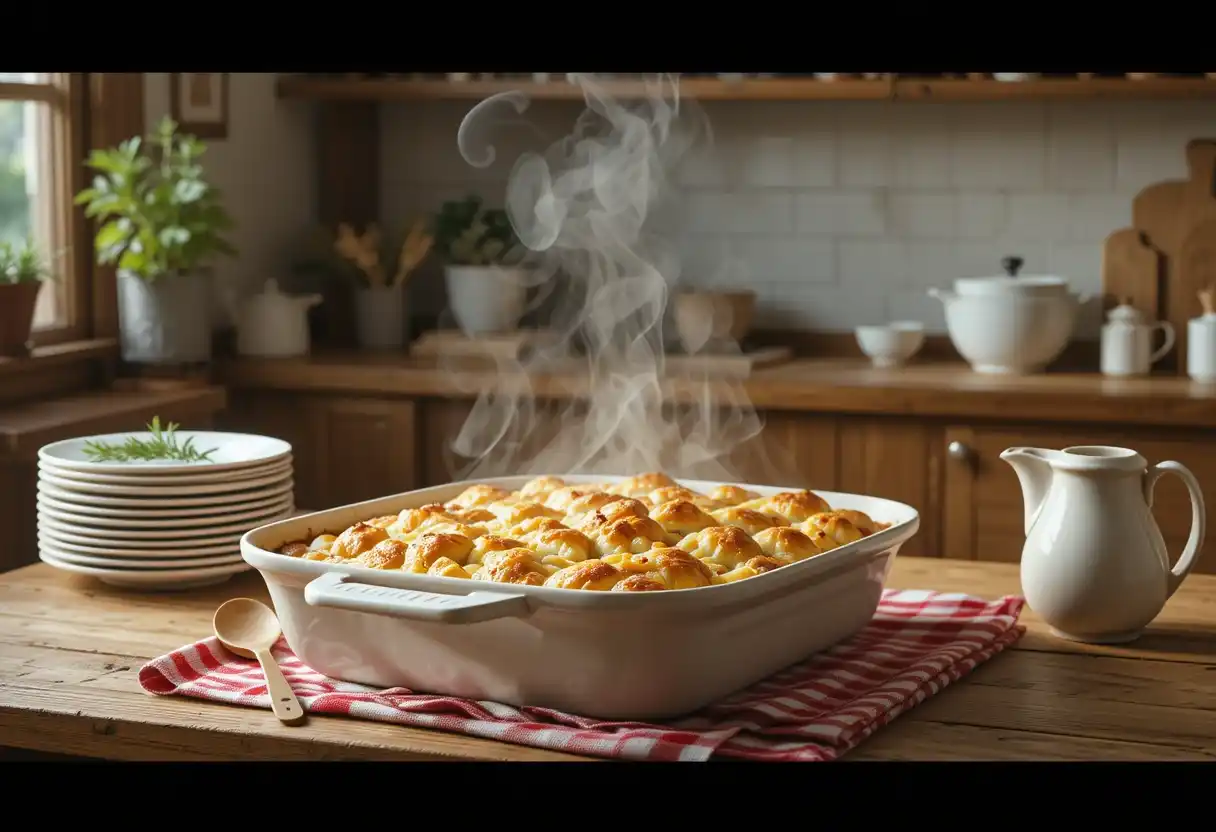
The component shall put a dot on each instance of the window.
(41, 141)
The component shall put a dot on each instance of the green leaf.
(174, 235)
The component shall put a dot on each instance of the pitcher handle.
(1194, 543)
(1168, 331)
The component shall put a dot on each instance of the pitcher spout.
(1033, 467)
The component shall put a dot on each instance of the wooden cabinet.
(344, 449)
(983, 516)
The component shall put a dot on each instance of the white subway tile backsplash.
(841, 213)
(932, 215)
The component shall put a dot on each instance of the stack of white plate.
(161, 524)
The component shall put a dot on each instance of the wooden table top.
(71, 648)
(946, 389)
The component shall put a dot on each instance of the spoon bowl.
(249, 628)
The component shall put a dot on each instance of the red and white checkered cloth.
(917, 643)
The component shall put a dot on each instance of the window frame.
(61, 165)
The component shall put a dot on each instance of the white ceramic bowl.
(1009, 333)
(891, 345)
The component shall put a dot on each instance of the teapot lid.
(1125, 313)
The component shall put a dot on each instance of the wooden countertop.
(832, 385)
(71, 648)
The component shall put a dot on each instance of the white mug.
(1201, 348)
(1127, 349)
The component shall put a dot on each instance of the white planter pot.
(486, 299)
(167, 321)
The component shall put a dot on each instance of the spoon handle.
(282, 699)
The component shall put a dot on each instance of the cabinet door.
(295, 419)
(369, 449)
(983, 506)
(896, 459)
(797, 450)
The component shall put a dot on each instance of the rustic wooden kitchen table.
(70, 650)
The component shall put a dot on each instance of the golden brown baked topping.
(447, 568)
(492, 543)
(509, 515)
(322, 543)
(511, 566)
(358, 539)
(753, 567)
(387, 554)
(629, 534)
(752, 522)
(534, 526)
(786, 544)
(478, 495)
(649, 534)
(681, 517)
(430, 547)
(566, 544)
(674, 568)
(731, 495)
(638, 583)
(562, 498)
(540, 487)
(586, 505)
(590, 574)
(790, 507)
(860, 519)
(726, 546)
(670, 492)
(833, 526)
(642, 485)
(413, 519)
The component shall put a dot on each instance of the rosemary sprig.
(162, 445)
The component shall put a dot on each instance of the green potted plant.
(161, 224)
(22, 273)
(483, 266)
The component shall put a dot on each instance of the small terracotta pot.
(705, 317)
(17, 301)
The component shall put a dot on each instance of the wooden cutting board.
(1132, 272)
(1196, 272)
(737, 365)
(1167, 213)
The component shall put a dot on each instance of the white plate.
(156, 491)
(148, 579)
(111, 551)
(104, 529)
(252, 472)
(154, 545)
(232, 451)
(214, 501)
(150, 565)
(171, 516)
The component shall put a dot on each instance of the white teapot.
(1094, 566)
(272, 324)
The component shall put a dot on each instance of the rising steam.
(590, 208)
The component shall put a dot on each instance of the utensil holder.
(380, 317)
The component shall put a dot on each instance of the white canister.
(1201, 347)
(486, 300)
(1127, 342)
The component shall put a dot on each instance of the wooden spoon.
(248, 628)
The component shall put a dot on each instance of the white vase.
(166, 321)
(486, 299)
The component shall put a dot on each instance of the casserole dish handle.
(333, 589)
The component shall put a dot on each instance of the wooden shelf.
(758, 89)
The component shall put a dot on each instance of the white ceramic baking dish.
(612, 655)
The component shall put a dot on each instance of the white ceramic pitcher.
(1094, 566)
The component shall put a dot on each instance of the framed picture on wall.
(198, 102)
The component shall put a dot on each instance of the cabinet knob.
(957, 450)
